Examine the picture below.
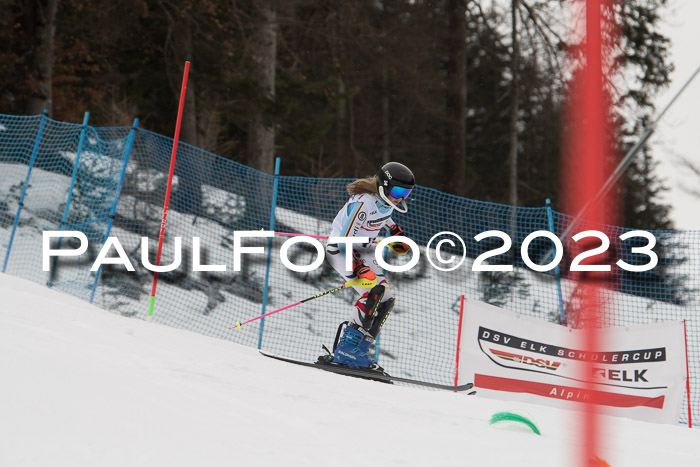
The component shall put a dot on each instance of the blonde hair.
(363, 185)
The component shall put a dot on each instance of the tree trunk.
(41, 73)
(191, 170)
(456, 99)
(183, 49)
(341, 123)
(261, 134)
(386, 120)
(358, 170)
(514, 109)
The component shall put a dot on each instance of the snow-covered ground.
(85, 387)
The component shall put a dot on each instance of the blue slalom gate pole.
(556, 268)
(129, 143)
(64, 220)
(32, 160)
(269, 249)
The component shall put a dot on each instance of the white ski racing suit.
(363, 215)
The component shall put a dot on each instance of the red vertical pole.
(459, 339)
(176, 138)
(587, 159)
(687, 375)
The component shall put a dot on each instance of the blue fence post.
(556, 269)
(64, 220)
(269, 249)
(32, 160)
(129, 143)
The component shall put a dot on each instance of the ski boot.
(353, 348)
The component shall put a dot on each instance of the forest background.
(471, 94)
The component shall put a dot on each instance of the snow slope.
(84, 387)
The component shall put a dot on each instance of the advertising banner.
(638, 372)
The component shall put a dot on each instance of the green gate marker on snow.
(514, 417)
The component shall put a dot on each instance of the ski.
(368, 374)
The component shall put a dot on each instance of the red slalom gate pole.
(687, 375)
(459, 338)
(586, 163)
(176, 138)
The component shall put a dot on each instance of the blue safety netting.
(112, 181)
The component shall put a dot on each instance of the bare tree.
(514, 109)
(456, 102)
(694, 168)
(261, 133)
(179, 49)
(190, 133)
(43, 17)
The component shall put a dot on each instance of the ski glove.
(364, 272)
(399, 247)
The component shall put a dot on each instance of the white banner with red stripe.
(638, 372)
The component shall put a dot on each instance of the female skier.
(367, 212)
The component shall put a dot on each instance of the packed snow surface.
(85, 387)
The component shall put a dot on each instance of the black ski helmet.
(397, 180)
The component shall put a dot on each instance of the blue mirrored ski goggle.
(399, 192)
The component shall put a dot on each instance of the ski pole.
(289, 234)
(364, 283)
